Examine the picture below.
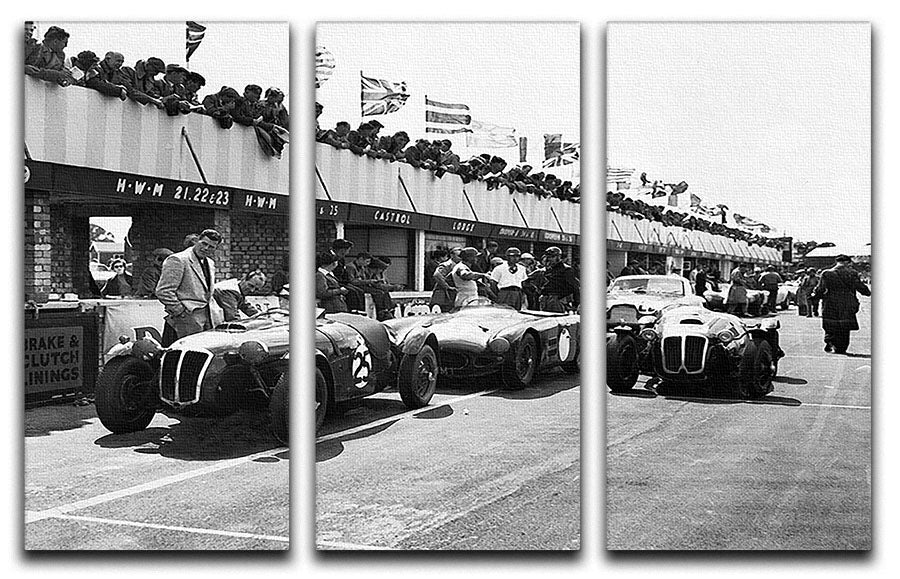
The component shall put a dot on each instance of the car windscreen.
(645, 285)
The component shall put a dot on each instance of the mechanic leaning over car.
(769, 282)
(185, 288)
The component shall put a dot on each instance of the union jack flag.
(614, 175)
(558, 153)
(380, 97)
(194, 34)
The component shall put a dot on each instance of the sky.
(524, 75)
(232, 53)
(771, 119)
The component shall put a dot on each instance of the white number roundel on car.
(565, 344)
(361, 364)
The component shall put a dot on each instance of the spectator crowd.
(637, 209)
(457, 277)
(437, 156)
(168, 87)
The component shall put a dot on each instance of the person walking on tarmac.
(561, 291)
(837, 289)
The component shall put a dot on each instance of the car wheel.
(124, 388)
(321, 399)
(621, 362)
(519, 369)
(418, 378)
(757, 370)
(279, 407)
(572, 367)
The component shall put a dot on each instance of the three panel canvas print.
(447, 287)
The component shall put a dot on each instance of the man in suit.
(837, 288)
(185, 288)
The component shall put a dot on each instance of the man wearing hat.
(769, 281)
(380, 288)
(220, 105)
(329, 291)
(465, 278)
(47, 61)
(837, 289)
(143, 86)
(444, 293)
(561, 288)
(509, 277)
(193, 82)
(146, 287)
(249, 107)
(169, 86)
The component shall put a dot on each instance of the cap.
(341, 244)
(553, 250)
(527, 255)
(513, 251)
(176, 68)
(162, 252)
(469, 252)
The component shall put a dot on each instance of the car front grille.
(684, 354)
(454, 361)
(181, 374)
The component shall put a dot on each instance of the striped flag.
(491, 136)
(558, 153)
(194, 35)
(447, 118)
(380, 97)
(324, 65)
(614, 175)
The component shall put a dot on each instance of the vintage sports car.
(650, 293)
(357, 356)
(212, 371)
(756, 300)
(689, 344)
(484, 339)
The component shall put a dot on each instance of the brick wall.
(326, 232)
(258, 241)
(38, 244)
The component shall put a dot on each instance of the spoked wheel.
(621, 362)
(757, 370)
(417, 381)
(124, 395)
(279, 407)
(520, 368)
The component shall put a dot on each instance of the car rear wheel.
(418, 377)
(572, 367)
(321, 399)
(279, 407)
(757, 370)
(124, 389)
(621, 362)
(520, 367)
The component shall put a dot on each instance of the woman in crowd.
(737, 294)
(120, 284)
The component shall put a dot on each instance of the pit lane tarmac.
(184, 483)
(791, 471)
(479, 468)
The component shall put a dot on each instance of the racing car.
(685, 345)
(485, 339)
(357, 356)
(209, 372)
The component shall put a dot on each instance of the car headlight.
(498, 345)
(648, 334)
(145, 349)
(253, 352)
(725, 336)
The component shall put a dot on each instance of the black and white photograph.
(738, 310)
(156, 286)
(447, 286)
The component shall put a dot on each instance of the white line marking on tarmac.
(350, 546)
(33, 516)
(236, 534)
(837, 406)
(763, 401)
(397, 417)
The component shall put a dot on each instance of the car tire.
(417, 380)
(573, 367)
(621, 362)
(121, 395)
(521, 365)
(279, 406)
(321, 399)
(757, 370)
